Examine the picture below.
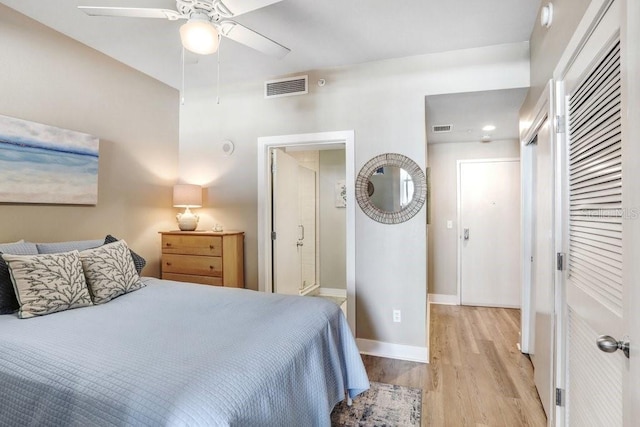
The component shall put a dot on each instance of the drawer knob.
(168, 264)
(211, 267)
(211, 247)
(167, 244)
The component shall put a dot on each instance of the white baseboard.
(393, 351)
(443, 299)
(492, 305)
(332, 292)
(309, 289)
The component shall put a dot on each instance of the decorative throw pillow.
(110, 271)
(46, 284)
(8, 301)
(138, 261)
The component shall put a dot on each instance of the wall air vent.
(442, 128)
(289, 86)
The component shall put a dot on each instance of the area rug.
(382, 405)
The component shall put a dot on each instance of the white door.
(631, 176)
(596, 242)
(307, 226)
(543, 267)
(489, 233)
(286, 254)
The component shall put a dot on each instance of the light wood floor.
(477, 375)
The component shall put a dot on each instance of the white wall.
(52, 79)
(384, 103)
(548, 44)
(443, 242)
(333, 222)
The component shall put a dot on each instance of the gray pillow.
(8, 301)
(72, 245)
(109, 271)
(48, 283)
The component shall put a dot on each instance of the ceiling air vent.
(286, 87)
(442, 128)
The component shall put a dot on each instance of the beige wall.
(383, 102)
(443, 242)
(548, 44)
(333, 222)
(49, 78)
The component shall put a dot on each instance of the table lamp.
(187, 196)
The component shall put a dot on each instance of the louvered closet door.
(595, 195)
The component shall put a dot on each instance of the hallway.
(477, 375)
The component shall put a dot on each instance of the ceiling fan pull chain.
(182, 89)
(218, 76)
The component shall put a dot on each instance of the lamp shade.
(199, 36)
(187, 196)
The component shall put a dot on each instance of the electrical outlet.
(397, 316)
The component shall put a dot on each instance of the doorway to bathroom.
(306, 216)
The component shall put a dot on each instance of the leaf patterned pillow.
(110, 271)
(46, 284)
(138, 261)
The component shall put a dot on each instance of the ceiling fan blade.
(132, 12)
(238, 7)
(254, 40)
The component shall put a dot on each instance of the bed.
(178, 354)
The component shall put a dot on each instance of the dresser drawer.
(203, 280)
(192, 244)
(195, 265)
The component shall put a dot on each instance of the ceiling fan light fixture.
(199, 36)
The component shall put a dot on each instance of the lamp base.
(187, 221)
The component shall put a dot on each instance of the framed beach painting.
(46, 164)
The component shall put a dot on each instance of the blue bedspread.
(176, 354)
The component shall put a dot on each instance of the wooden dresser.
(205, 257)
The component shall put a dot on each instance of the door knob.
(608, 344)
(466, 234)
(300, 243)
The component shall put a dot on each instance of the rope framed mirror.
(391, 188)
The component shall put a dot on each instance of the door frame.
(265, 256)
(459, 164)
(544, 110)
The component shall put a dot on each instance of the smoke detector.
(546, 15)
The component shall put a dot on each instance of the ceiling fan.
(206, 20)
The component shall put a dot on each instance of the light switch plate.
(449, 224)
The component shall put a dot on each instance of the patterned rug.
(383, 405)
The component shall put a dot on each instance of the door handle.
(466, 234)
(300, 243)
(608, 344)
(301, 232)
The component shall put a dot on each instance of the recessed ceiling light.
(489, 128)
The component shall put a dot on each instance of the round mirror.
(391, 188)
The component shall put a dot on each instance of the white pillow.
(46, 284)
